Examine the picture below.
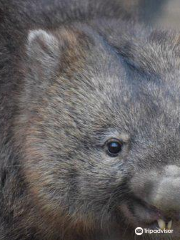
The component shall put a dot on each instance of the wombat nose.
(161, 190)
(165, 194)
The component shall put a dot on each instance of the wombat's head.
(101, 130)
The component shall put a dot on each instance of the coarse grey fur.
(65, 90)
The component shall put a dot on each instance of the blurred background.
(155, 12)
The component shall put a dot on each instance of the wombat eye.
(113, 147)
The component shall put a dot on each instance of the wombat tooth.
(161, 224)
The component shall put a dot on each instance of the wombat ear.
(43, 51)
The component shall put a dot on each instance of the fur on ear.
(42, 44)
(43, 51)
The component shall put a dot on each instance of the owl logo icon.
(138, 231)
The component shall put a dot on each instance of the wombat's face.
(101, 139)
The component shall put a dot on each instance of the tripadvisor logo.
(140, 231)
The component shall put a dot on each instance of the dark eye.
(113, 147)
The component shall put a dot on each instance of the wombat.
(89, 124)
